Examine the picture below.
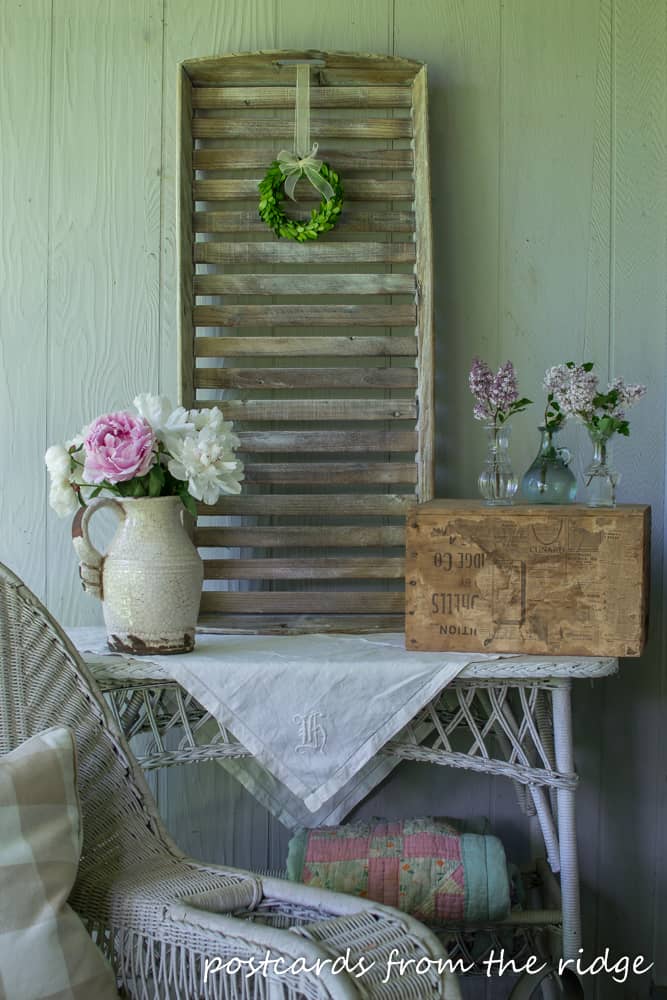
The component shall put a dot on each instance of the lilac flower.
(628, 395)
(504, 390)
(496, 396)
(576, 390)
(480, 379)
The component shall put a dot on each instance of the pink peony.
(118, 447)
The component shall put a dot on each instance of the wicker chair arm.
(226, 920)
(319, 917)
(340, 904)
(278, 893)
(226, 940)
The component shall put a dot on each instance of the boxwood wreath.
(322, 219)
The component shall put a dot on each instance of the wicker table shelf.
(503, 717)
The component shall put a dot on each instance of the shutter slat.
(327, 128)
(317, 602)
(289, 315)
(330, 473)
(284, 97)
(315, 409)
(305, 378)
(303, 569)
(246, 190)
(305, 347)
(354, 219)
(291, 536)
(316, 505)
(352, 441)
(259, 157)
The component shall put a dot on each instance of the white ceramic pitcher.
(150, 579)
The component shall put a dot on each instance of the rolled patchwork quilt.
(425, 867)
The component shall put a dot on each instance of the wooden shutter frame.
(268, 70)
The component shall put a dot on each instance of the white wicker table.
(504, 717)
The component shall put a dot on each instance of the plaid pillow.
(45, 952)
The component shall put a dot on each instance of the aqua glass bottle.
(549, 478)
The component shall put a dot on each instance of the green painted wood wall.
(548, 139)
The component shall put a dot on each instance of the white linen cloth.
(312, 709)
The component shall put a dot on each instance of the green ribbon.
(295, 167)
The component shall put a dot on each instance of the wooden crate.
(527, 579)
(321, 353)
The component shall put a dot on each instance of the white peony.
(167, 423)
(61, 494)
(213, 420)
(63, 498)
(205, 459)
(57, 461)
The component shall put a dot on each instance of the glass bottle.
(549, 479)
(497, 482)
(600, 478)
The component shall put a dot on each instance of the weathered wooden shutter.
(321, 353)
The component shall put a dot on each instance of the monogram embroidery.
(312, 734)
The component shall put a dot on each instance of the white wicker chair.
(159, 915)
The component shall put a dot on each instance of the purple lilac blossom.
(504, 390)
(494, 394)
(480, 379)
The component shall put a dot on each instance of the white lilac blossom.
(573, 388)
(496, 396)
(160, 452)
(628, 395)
(576, 391)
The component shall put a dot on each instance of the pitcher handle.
(565, 455)
(91, 562)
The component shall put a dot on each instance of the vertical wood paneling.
(349, 27)
(462, 50)
(209, 812)
(632, 839)
(104, 233)
(589, 699)
(25, 30)
(460, 42)
(550, 55)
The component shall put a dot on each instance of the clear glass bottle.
(600, 478)
(549, 479)
(497, 481)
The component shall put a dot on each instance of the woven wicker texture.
(157, 914)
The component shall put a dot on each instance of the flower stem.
(496, 467)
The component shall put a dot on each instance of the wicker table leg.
(569, 870)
